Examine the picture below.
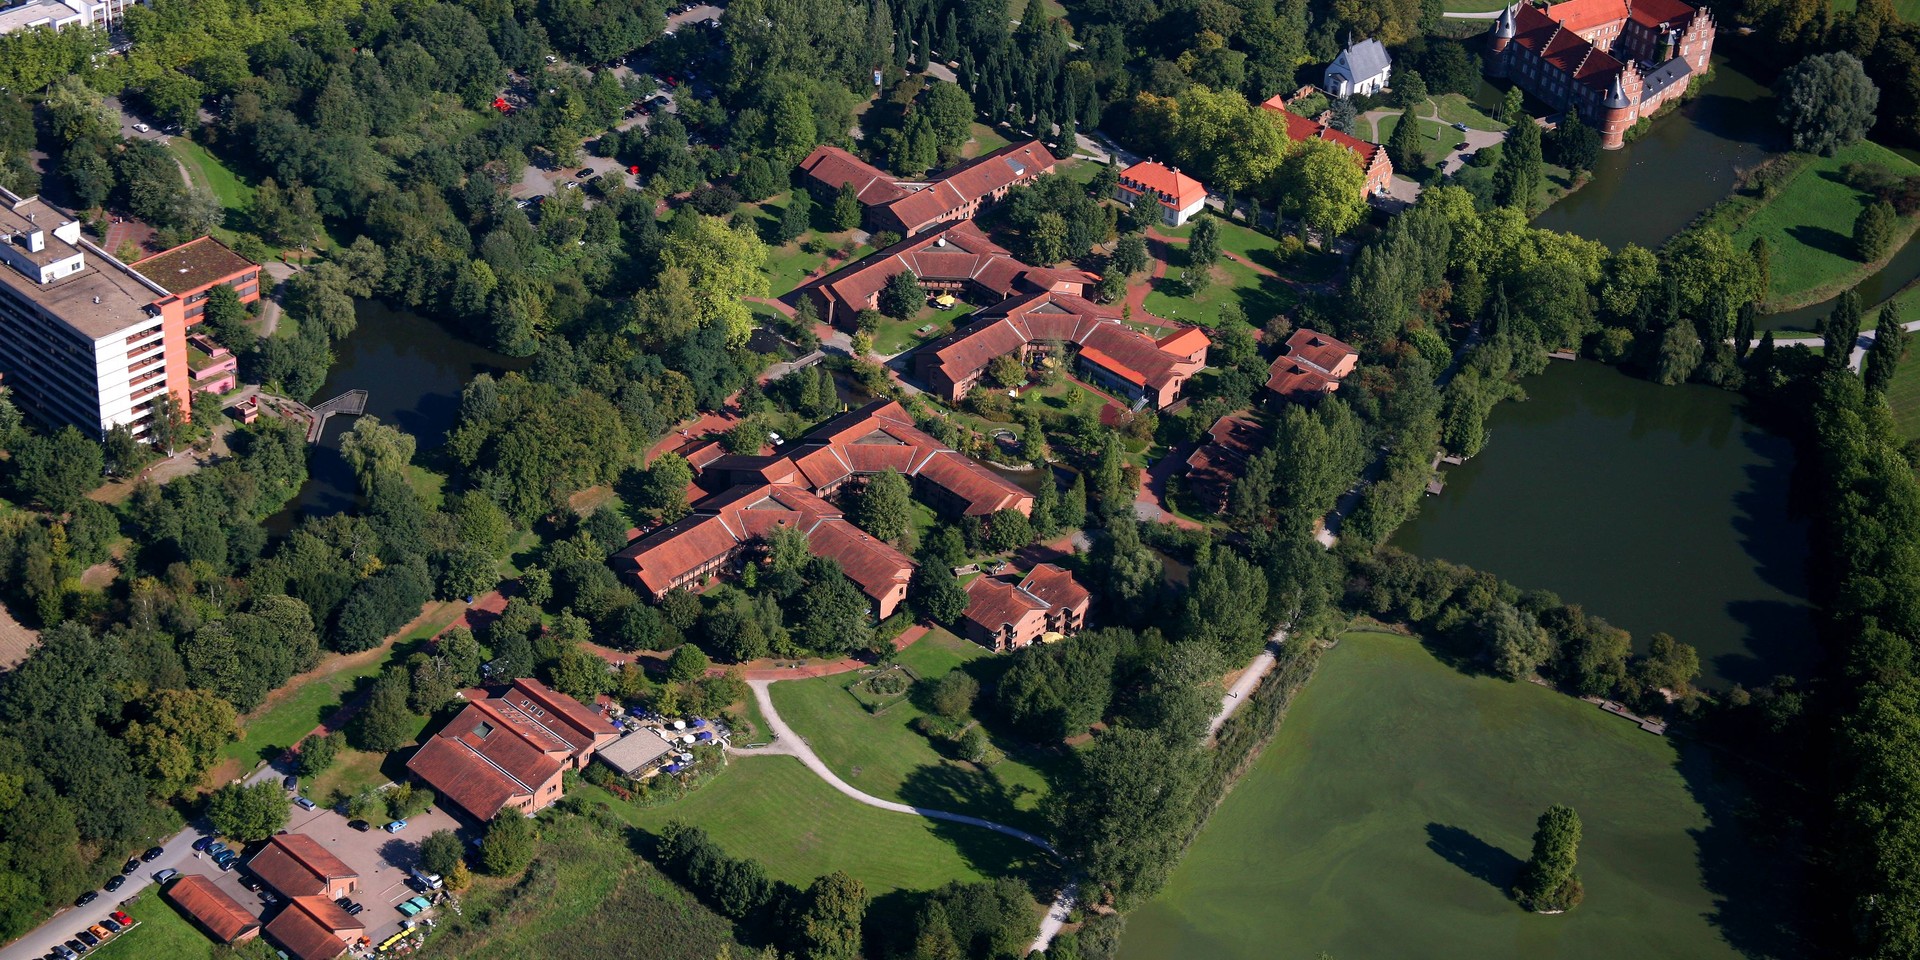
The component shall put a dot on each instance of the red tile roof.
(296, 865)
(1304, 128)
(214, 909)
(1176, 189)
(1562, 48)
(992, 602)
(1312, 365)
(1212, 469)
(834, 167)
(501, 748)
(314, 928)
(1657, 13)
(1319, 350)
(1184, 343)
(1007, 327)
(1584, 15)
(733, 518)
(971, 182)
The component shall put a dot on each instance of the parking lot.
(380, 858)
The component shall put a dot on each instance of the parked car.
(215, 848)
(269, 898)
(165, 875)
(1460, 127)
(201, 843)
(100, 931)
(143, 128)
(87, 937)
(303, 803)
(152, 854)
(75, 946)
(360, 825)
(395, 827)
(251, 882)
(122, 919)
(64, 952)
(116, 883)
(353, 909)
(573, 185)
(291, 783)
(133, 863)
(112, 925)
(86, 898)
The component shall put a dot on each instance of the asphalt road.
(71, 920)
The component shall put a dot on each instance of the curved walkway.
(787, 743)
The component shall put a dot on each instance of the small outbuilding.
(636, 754)
(213, 910)
(1361, 69)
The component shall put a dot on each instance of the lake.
(413, 370)
(1657, 508)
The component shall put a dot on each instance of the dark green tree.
(903, 296)
(846, 209)
(797, 218)
(828, 924)
(1516, 181)
(1826, 102)
(1203, 245)
(318, 752)
(1888, 349)
(509, 844)
(1841, 330)
(885, 506)
(1548, 883)
(937, 593)
(57, 470)
(441, 852)
(248, 813)
(1874, 231)
(1403, 145)
(385, 722)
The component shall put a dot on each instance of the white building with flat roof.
(61, 14)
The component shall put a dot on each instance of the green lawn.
(1903, 395)
(1809, 225)
(1908, 10)
(162, 934)
(778, 812)
(206, 170)
(883, 755)
(898, 336)
(789, 264)
(985, 140)
(591, 899)
(1473, 6)
(1389, 816)
(1262, 249)
(269, 731)
(1259, 297)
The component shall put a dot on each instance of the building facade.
(1178, 196)
(910, 208)
(1613, 62)
(1362, 69)
(1005, 615)
(510, 750)
(90, 341)
(1371, 157)
(61, 14)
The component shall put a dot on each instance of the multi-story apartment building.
(91, 341)
(61, 14)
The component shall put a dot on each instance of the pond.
(1686, 162)
(413, 370)
(1658, 508)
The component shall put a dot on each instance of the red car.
(672, 81)
(122, 919)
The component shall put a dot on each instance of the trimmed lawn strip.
(1809, 226)
(1392, 811)
(592, 898)
(162, 933)
(884, 756)
(778, 812)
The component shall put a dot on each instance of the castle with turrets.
(1613, 61)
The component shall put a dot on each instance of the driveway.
(380, 858)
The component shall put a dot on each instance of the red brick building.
(511, 750)
(730, 525)
(910, 208)
(1371, 157)
(1212, 469)
(879, 436)
(1111, 354)
(296, 865)
(1612, 61)
(957, 258)
(314, 928)
(1312, 367)
(1006, 615)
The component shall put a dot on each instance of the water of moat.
(1686, 162)
(1659, 508)
(413, 370)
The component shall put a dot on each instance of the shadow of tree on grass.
(1477, 857)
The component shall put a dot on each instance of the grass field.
(899, 336)
(1809, 225)
(882, 754)
(1903, 395)
(776, 811)
(590, 897)
(234, 194)
(1473, 6)
(1258, 297)
(1908, 10)
(305, 702)
(162, 934)
(1390, 815)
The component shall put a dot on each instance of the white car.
(143, 128)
